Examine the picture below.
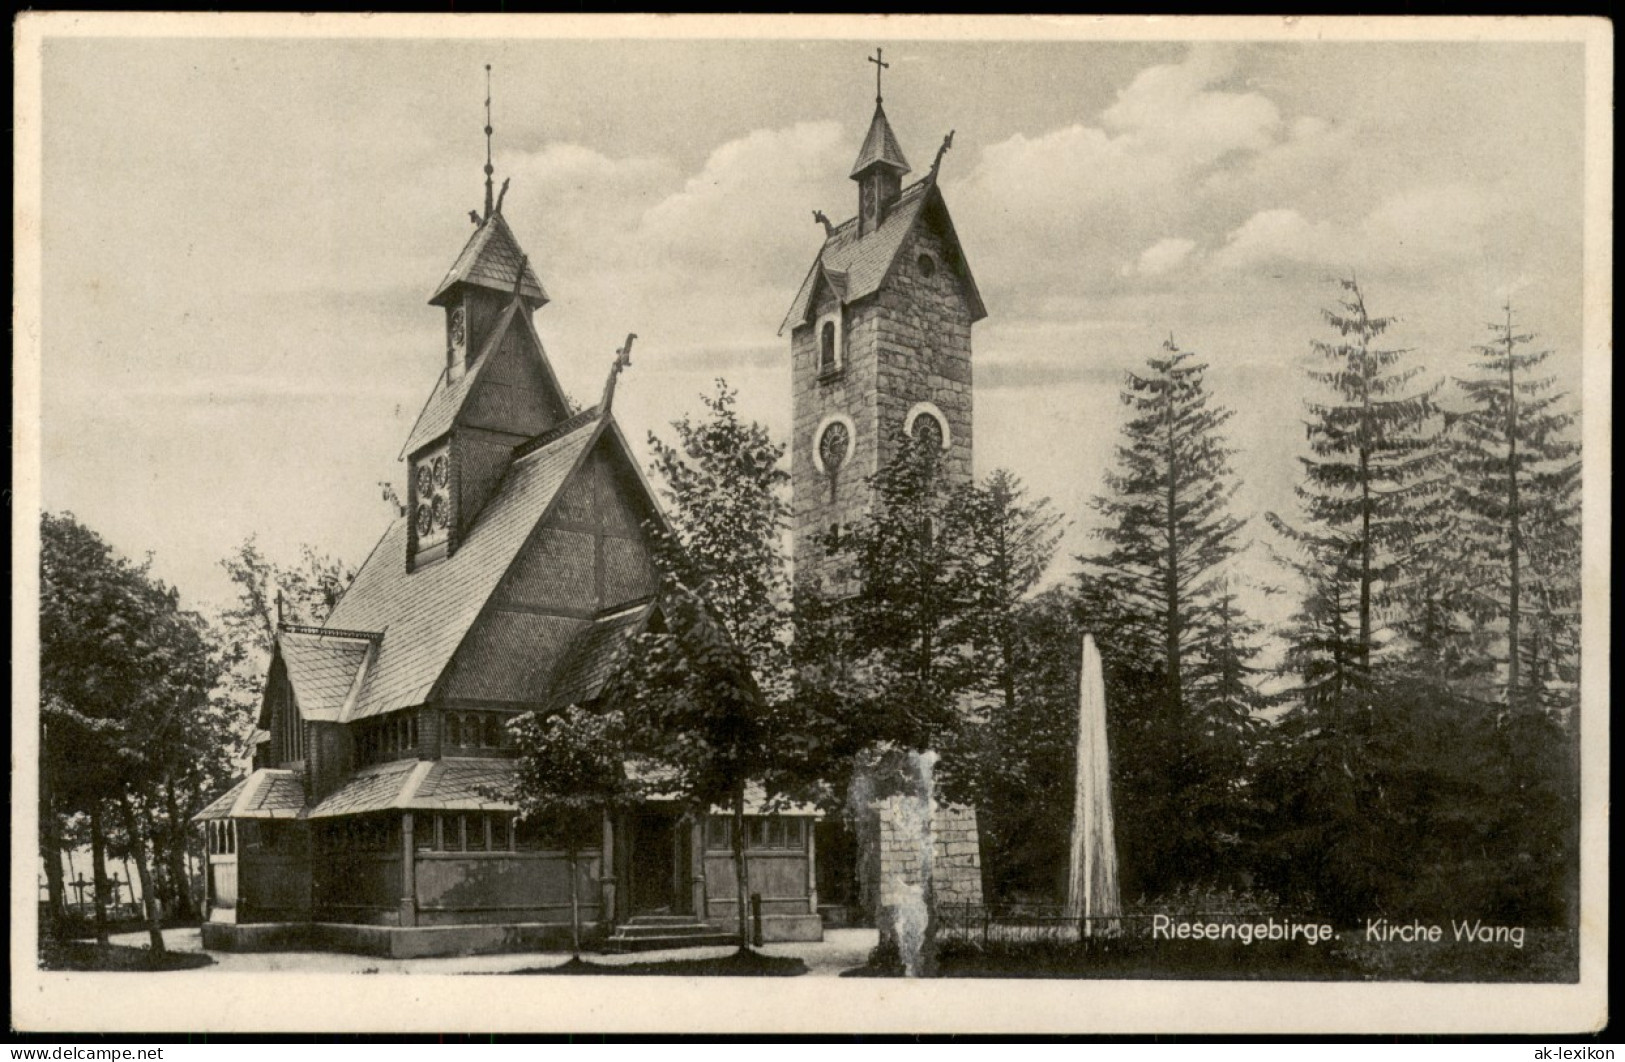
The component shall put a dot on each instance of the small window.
(231, 838)
(475, 825)
(454, 731)
(795, 834)
(827, 353)
(717, 833)
(412, 730)
(493, 731)
(423, 832)
(499, 833)
(927, 265)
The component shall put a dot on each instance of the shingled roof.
(324, 668)
(592, 656)
(455, 784)
(425, 614)
(880, 146)
(491, 260)
(266, 794)
(856, 266)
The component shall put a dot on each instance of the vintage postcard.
(1000, 525)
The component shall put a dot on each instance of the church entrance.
(659, 863)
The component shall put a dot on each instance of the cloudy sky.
(240, 236)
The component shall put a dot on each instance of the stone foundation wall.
(956, 862)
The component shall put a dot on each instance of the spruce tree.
(1517, 493)
(1372, 468)
(1167, 514)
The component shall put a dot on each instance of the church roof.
(447, 398)
(324, 668)
(454, 783)
(491, 259)
(425, 614)
(265, 794)
(593, 654)
(856, 266)
(880, 147)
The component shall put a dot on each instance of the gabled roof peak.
(492, 259)
(880, 147)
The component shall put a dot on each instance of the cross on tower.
(879, 66)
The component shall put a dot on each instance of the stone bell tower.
(880, 345)
(880, 350)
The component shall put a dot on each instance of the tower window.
(927, 265)
(928, 433)
(926, 424)
(431, 497)
(833, 446)
(829, 347)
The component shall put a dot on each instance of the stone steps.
(660, 932)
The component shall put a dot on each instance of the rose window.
(832, 447)
(928, 432)
(431, 482)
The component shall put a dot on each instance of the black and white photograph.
(809, 524)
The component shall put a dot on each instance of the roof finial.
(947, 142)
(623, 358)
(879, 66)
(488, 168)
(822, 219)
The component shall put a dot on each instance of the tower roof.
(880, 147)
(491, 259)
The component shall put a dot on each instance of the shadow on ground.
(739, 964)
(79, 955)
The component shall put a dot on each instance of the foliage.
(1167, 513)
(1373, 464)
(1177, 651)
(570, 773)
(268, 592)
(127, 727)
(1517, 493)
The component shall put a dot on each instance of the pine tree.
(1517, 492)
(1167, 513)
(1010, 540)
(1372, 467)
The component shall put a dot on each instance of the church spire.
(880, 166)
(489, 170)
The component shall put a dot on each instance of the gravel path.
(841, 949)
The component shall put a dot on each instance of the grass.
(742, 963)
(79, 955)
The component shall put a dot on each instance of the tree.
(1373, 464)
(694, 717)
(699, 694)
(1167, 512)
(1174, 644)
(1010, 541)
(269, 592)
(570, 773)
(125, 680)
(1517, 493)
(910, 617)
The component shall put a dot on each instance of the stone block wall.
(956, 862)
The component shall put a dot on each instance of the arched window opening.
(827, 353)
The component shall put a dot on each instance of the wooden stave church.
(368, 819)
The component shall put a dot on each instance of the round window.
(928, 265)
(928, 432)
(832, 446)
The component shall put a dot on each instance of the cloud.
(1161, 257)
(1417, 229)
